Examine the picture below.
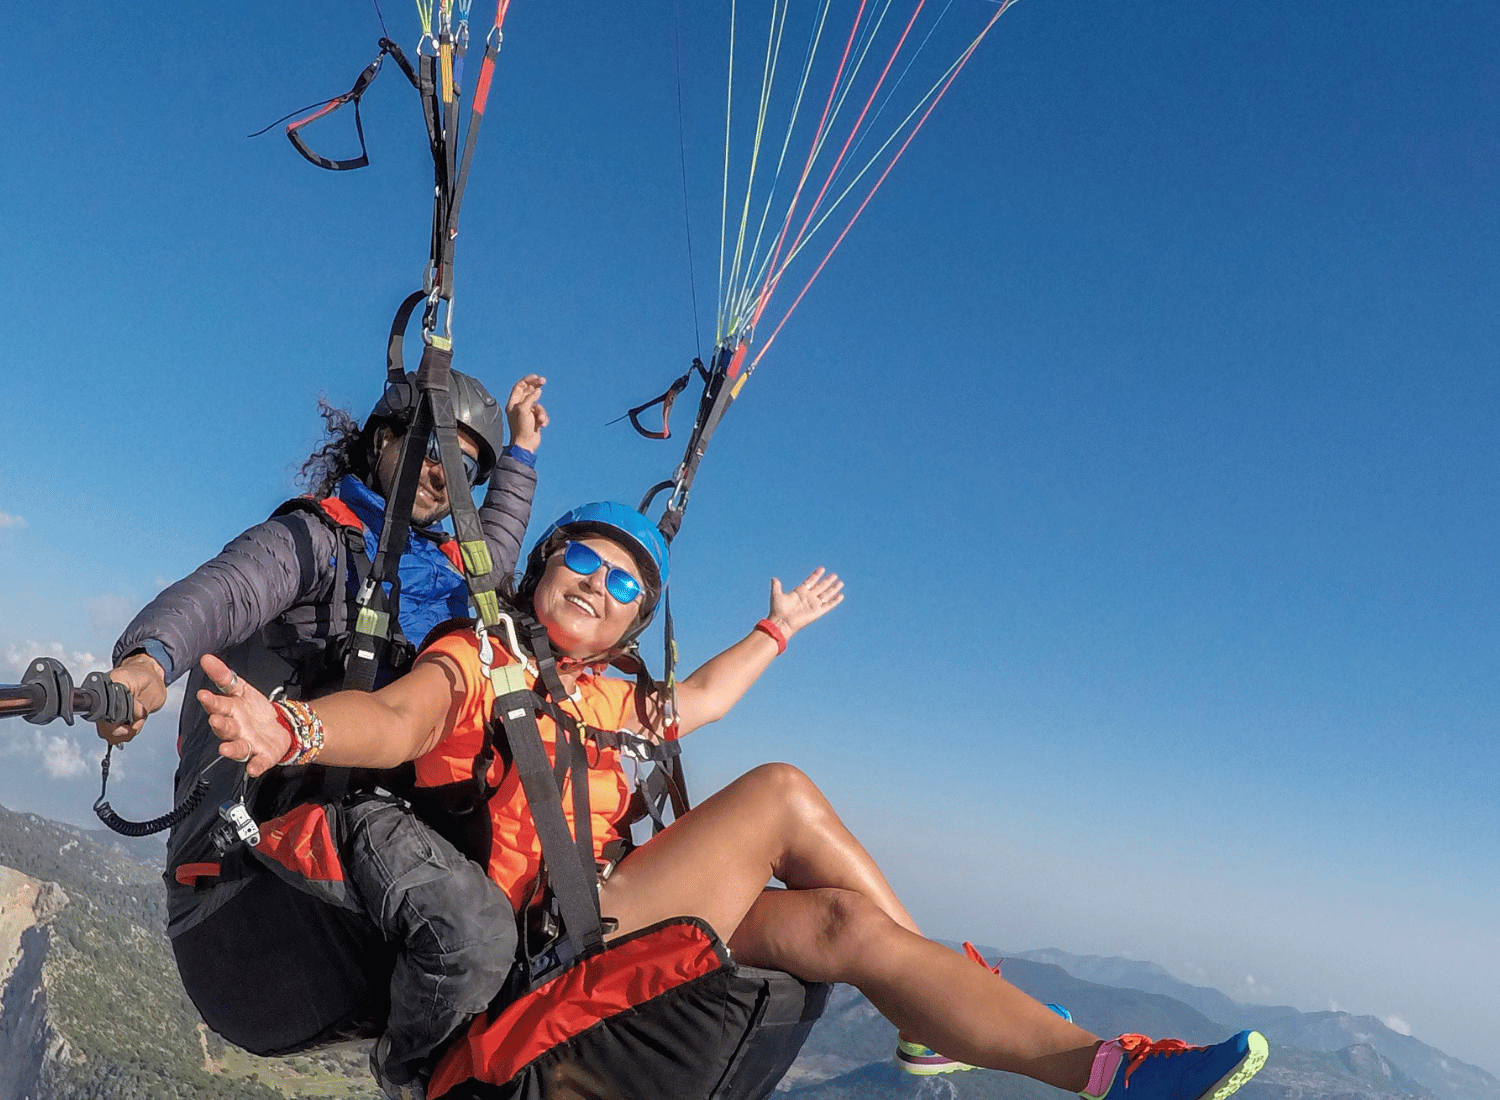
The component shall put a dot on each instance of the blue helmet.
(624, 525)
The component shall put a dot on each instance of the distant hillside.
(1447, 1077)
(91, 1007)
(848, 1055)
(1132, 974)
(1318, 1032)
(1357, 1073)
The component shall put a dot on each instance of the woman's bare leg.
(771, 822)
(960, 1009)
(838, 921)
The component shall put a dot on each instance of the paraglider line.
(682, 163)
(380, 15)
(845, 232)
(812, 210)
(734, 306)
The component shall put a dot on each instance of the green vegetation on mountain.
(114, 996)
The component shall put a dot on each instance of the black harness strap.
(377, 611)
(479, 565)
(571, 877)
(353, 95)
(571, 733)
(720, 386)
(427, 399)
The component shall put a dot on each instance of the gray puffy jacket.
(268, 604)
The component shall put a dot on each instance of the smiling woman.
(672, 905)
(590, 537)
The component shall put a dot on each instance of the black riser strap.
(377, 612)
(573, 882)
(479, 566)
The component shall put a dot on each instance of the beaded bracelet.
(306, 729)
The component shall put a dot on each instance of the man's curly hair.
(345, 450)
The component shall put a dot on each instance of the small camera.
(238, 819)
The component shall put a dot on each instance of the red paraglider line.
(854, 131)
(812, 153)
(964, 60)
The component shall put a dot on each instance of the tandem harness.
(423, 400)
(661, 1012)
(300, 670)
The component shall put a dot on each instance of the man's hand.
(525, 414)
(147, 684)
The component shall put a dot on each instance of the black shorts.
(277, 971)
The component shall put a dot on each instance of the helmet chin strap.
(578, 664)
(567, 663)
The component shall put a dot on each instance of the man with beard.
(279, 602)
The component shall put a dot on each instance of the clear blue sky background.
(1149, 413)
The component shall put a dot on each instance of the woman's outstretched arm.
(378, 729)
(718, 684)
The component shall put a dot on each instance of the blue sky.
(1148, 412)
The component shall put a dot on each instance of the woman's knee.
(786, 788)
(848, 931)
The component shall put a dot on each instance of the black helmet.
(473, 407)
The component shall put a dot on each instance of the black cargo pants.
(425, 942)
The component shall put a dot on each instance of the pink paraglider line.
(766, 293)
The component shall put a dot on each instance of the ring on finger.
(228, 689)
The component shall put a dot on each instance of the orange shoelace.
(973, 953)
(1139, 1048)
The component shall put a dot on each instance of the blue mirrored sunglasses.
(618, 583)
(471, 464)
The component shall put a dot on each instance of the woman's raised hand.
(243, 719)
(808, 602)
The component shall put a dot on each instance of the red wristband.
(771, 630)
(286, 724)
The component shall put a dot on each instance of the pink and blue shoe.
(1134, 1067)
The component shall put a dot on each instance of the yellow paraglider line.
(941, 88)
(768, 72)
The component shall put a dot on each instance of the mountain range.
(91, 1009)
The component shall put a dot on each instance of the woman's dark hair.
(345, 450)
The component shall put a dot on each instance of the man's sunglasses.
(618, 583)
(471, 464)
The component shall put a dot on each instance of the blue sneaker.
(1169, 1069)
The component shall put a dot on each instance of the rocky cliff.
(90, 1004)
(29, 1045)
